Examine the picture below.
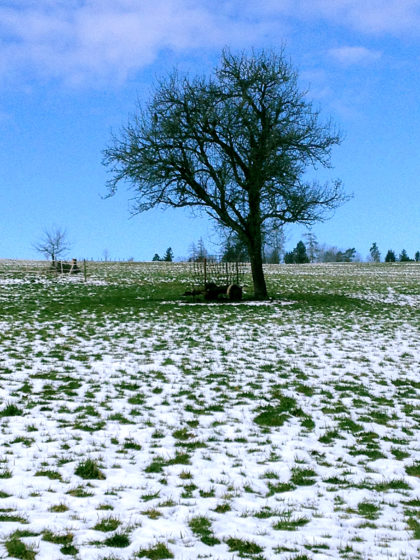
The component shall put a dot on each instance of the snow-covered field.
(137, 424)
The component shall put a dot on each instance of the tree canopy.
(236, 144)
(390, 256)
(375, 254)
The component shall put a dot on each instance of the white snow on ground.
(292, 429)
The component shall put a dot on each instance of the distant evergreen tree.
(375, 253)
(300, 252)
(345, 256)
(235, 250)
(156, 257)
(298, 255)
(417, 256)
(330, 254)
(349, 255)
(169, 255)
(390, 256)
(403, 256)
(289, 257)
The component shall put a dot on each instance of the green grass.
(271, 416)
(201, 527)
(11, 409)
(279, 487)
(59, 508)
(413, 470)
(107, 524)
(158, 552)
(243, 547)
(12, 517)
(52, 475)
(288, 522)
(414, 526)
(303, 477)
(18, 549)
(64, 539)
(6, 473)
(119, 540)
(80, 492)
(368, 510)
(89, 470)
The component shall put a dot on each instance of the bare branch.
(54, 243)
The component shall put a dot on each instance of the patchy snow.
(294, 428)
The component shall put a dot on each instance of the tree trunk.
(258, 279)
(255, 244)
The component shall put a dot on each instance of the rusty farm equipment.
(215, 280)
(63, 267)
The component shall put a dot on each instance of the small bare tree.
(54, 243)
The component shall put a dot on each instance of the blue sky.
(71, 71)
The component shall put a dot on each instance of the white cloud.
(82, 41)
(91, 41)
(354, 55)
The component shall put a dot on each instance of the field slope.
(135, 423)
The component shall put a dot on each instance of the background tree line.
(54, 244)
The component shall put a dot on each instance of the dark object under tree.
(236, 144)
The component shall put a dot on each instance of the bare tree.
(54, 243)
(236, 144)
(311, 245)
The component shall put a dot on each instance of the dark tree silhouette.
(390, 256)
(375, 254)
(236, 144)
(404, 256)
(169, 255)
(298, 255)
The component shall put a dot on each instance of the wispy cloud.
(354, 55)
(79, 41)
(372, 16)
(89, 41)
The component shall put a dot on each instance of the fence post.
(84, 269)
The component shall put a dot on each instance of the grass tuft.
(158, 552)
(119, 540)
(107, 524)
(201, 526)
(89, 470)
(11, 410)
(243, 546)
(18, 549)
